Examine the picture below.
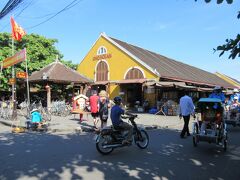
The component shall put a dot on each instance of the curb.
(84, 129)
(5, 123)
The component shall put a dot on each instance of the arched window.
(101, 50)
(134, 73)
(102, 71)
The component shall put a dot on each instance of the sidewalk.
(71, 124)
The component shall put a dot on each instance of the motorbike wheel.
(103, 140)
(141, 139)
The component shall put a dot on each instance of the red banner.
(17, 58)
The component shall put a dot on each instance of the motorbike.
(110, 138)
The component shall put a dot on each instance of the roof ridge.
(51, 69)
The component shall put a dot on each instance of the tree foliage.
(232, 45)
(40, 52)
(219, 1)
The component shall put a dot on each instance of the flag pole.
(14, 114)
(28, 91)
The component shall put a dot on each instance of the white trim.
(95, 71)
(134, 67)
(154, 71)
(91, 48)
(103, 48)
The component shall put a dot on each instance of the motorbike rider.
(117, 122)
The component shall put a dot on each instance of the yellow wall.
(119, 63)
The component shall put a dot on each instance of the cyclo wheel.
(101, 141)
(141, 139)
(195, 132)
(225, 142)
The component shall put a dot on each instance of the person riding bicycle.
(117, 122)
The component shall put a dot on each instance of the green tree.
(40, 52)
(232, 45)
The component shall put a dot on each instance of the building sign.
(17, 58)
(12, 81)
(102, 56)
(22, 75)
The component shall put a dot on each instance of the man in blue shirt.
(186, 109)
(117, 122)
(217, 93)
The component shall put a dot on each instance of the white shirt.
(186, 105)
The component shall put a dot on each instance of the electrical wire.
(7, 24)
(11, 4)
(69, 6)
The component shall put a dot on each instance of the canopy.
(59, 73)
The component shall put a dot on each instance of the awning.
(131, 81)
(188, 87)
(205, 89)
(170, 84)
(101, 83)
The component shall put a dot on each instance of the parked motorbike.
(109, 138)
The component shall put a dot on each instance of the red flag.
(17, 31)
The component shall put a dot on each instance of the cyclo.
(210, 125)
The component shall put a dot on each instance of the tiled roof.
(58, 72)
(172, 69)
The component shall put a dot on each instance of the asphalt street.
(37, 155)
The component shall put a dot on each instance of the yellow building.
(232, 81)
(137, 74)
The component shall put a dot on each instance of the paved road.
(73, 156)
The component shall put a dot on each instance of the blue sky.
(183, 30)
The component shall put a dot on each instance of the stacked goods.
(172, 108)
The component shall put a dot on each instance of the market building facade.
(140, 75)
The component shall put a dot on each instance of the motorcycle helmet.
(117, 100)
(235, 90)
(217, 89)
(34, 110)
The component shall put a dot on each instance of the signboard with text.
(102, 56)
(17, 58)
(12, 81)
(22, 75)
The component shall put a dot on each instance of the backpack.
(103, 110)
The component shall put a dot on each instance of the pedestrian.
(186, 109)
(103, 108)
(235, 94)
(94, 106)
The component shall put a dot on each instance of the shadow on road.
(73, 156)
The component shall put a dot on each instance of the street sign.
(17, 58)
(22, 75)
(12, 81)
